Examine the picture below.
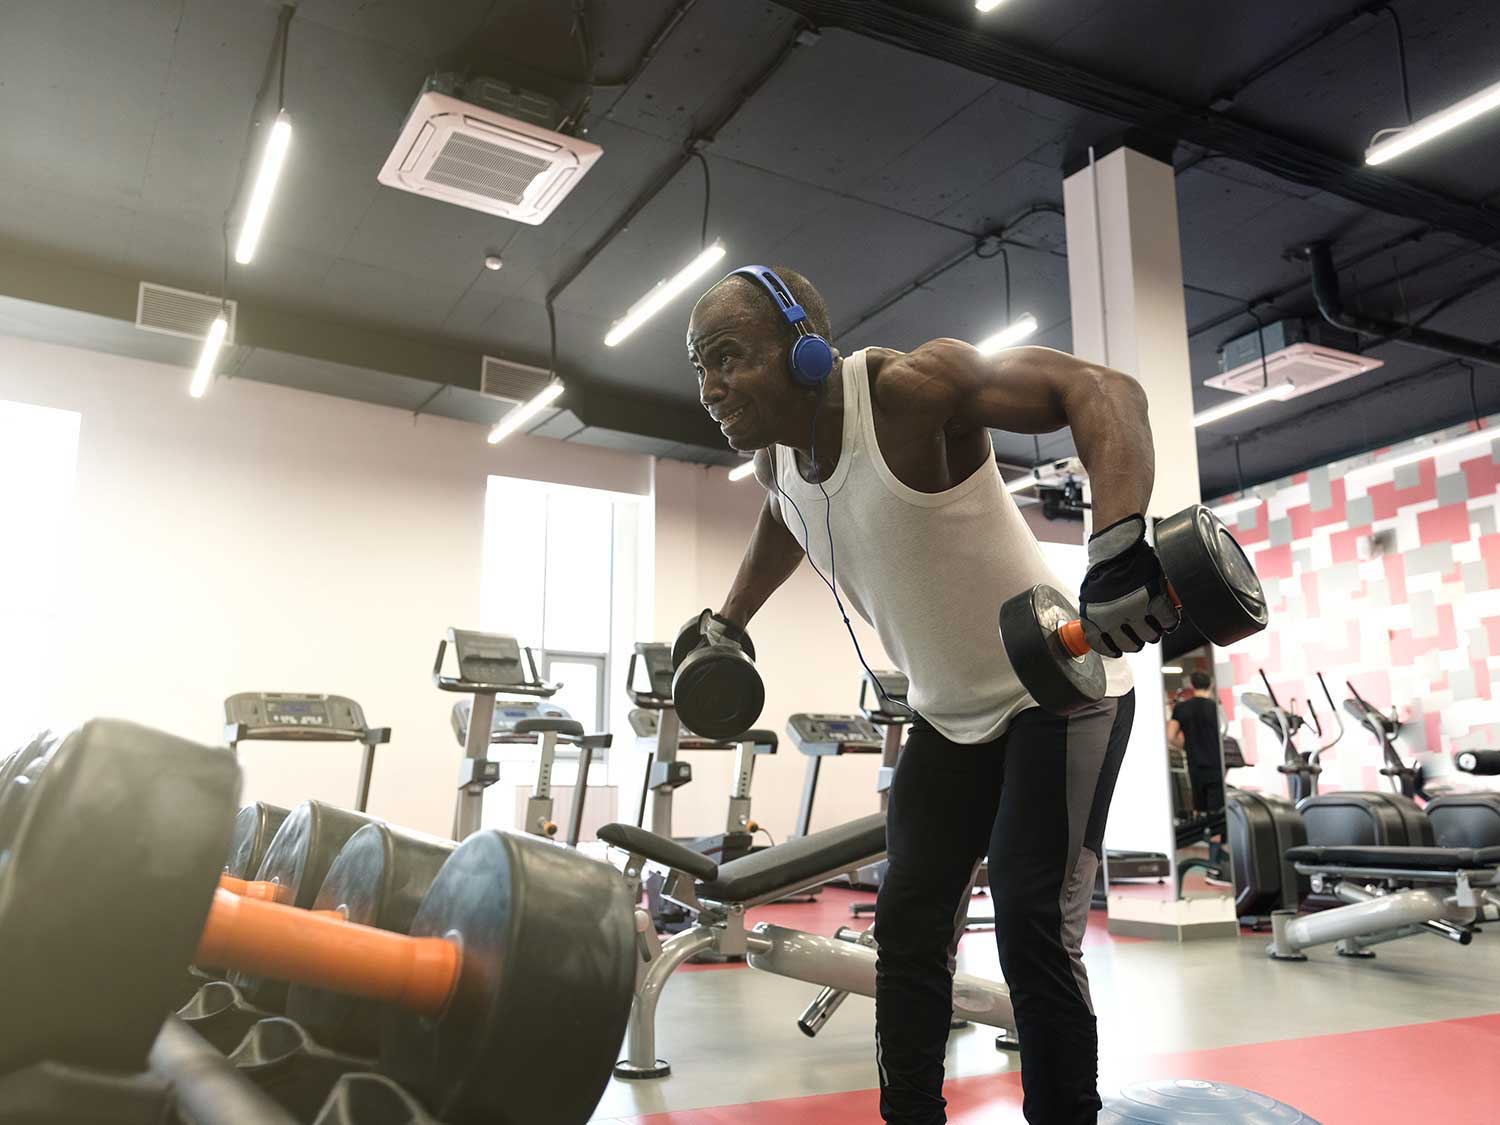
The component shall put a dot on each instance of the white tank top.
(929, 570)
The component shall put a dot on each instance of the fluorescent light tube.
(1434, 125)
(203, 374)
(1464, 441)
(266, 176)
(520, 415)
(658, 299)
(742, 470)
(1009, 336)
(1171, 669)
(1273, 393)
(1233, 508)
(987, 5)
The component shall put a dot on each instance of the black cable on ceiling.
(1473, 395)
(707, 196)
(580, 34)
(286, 32)
(1401, 58)
(1260, 338)
(669, 173)
(1239, 468)
(1281, 58)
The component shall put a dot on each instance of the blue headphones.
(811, 357)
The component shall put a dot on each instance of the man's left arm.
(1038, 390)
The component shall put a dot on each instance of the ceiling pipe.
(1325, 285)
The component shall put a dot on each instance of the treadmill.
(289, 716)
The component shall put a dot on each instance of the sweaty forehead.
(721, 310)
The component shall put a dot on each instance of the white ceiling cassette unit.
(486, 156)
(1308, 355)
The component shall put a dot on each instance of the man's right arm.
(770, 559)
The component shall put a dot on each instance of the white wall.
(271, 539)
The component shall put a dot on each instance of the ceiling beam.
(987, 54)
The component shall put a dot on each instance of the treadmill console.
(508, 712)
(293, 716)
(834, 734)
(487, 658)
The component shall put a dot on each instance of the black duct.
(1325, 285)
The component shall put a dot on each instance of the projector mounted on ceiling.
(1307, 354)
(487, 146)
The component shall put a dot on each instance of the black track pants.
(1035, 799)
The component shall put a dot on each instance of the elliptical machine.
(1300, 768)
(1405, 780)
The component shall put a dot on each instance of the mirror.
(1199, 752)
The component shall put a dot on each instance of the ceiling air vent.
(1306, 354)
(511, 382)
(180, 312)
(484, 156)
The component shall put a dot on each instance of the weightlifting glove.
(1124, 596)
(718, 630)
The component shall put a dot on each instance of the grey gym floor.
(731, 1037)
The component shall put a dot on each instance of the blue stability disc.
(1172, 1100)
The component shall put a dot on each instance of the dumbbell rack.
(217, 1060)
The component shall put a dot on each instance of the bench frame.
(719, 927)
(1383, 904)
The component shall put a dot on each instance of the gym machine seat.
(1465, 820)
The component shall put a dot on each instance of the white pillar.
(1125, 276)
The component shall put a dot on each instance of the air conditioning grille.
(469, 164)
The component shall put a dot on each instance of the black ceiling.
(867, 156)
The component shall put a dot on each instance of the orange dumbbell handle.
(310, 947)
(250, 888)
(1070, 633)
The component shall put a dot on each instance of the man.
(882, 474)
(1194, 729)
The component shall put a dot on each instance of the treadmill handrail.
(292, 732)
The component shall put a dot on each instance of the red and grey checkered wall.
(1390, 581)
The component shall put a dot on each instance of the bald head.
(744, 302)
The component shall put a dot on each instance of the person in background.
(1194, 729)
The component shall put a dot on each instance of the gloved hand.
(718, 630)
(1124, 598)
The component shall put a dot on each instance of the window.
(38, 459)
(563, 573)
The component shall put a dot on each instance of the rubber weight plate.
(105, 891)
(1060, 682)
(1175, 1101)
(536, 1018)
(1211, 576)
(19, 782)
(254, 828)
(378, 879)
(298, 860)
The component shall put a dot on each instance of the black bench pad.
(659, 848)
(790, 864)
(1396, 859)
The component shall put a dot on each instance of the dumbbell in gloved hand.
(1132, 596)
(715, 686)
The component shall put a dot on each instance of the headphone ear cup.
(811, 360)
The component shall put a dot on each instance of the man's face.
(740, 358)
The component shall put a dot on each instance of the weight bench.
(1391, 893)
(717, 895)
